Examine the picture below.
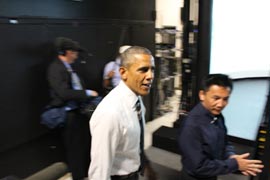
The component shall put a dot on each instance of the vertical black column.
(262, 149)
(186, 69)
(185, 20)
(204, 42)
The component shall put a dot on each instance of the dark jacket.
(60, 85)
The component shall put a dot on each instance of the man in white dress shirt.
(115, 126)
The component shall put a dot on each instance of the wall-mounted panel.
(23, 88)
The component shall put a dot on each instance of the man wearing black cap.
(67, 90)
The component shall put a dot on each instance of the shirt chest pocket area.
(130, 133)
(213, 138)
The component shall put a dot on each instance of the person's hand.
(110, 74)
(247, 166)
(149, 173)
(94, 93)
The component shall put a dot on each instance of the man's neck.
(64, 59)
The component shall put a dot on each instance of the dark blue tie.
(139, 113)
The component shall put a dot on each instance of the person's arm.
(107, 79)
(194, 151)
(229, 149)
(105, 137)
(91, 93)
(248, 166)
(108, 74)
(59, 81)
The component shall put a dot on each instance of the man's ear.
(123, 72)
(201, 95)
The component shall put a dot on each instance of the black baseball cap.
(63, 44)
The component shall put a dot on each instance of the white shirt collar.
(128, 93)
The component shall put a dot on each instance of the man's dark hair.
(216, 79)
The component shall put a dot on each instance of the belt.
(123, 177)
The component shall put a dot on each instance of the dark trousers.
(77, 141)
(185, 176)
(132, 176)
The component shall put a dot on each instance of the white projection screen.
(240, 47)
(240, 44)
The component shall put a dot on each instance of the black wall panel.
(48, 8)
(23, 87)
(108, 9)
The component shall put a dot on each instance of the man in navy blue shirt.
(203, 142)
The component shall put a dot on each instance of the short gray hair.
(127, 57)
